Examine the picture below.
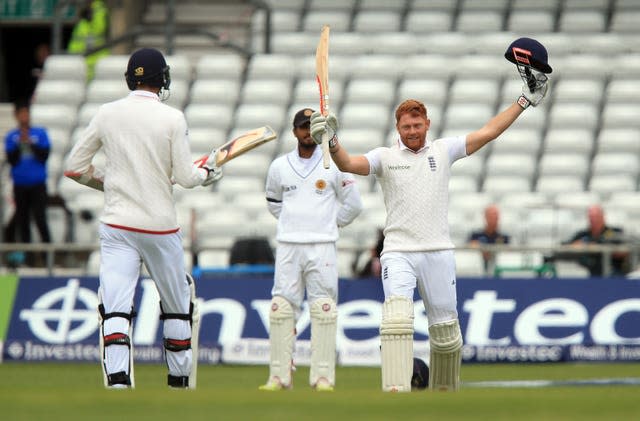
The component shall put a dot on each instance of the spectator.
(372, 268)
(490, 234)
(90, 32)
(27, 149)
(600, 233)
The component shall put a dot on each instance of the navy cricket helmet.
(528, 51)
(147, 66)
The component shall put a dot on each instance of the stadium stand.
(581, 146)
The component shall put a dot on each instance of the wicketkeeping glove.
(534, 98)
(321, 124)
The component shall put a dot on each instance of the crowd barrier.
(502, 320)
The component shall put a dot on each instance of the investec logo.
(398, 167)
(55, 317)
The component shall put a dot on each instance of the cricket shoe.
(323, 385)
(274, 385)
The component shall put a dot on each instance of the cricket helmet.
(420, 377)
(147, 66)
(530, 52)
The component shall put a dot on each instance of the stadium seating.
(581, 145)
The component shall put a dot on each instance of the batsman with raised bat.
(310, 203)
(414, 176)
(147, 148)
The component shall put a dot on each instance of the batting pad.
(324, 316)
(446, 356)
(396, 351)
(281, 340)
(195, 333)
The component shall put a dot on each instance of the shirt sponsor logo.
(288, 188)
(399, 167)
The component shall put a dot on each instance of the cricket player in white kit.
(310, 203)
(414, 176)
(146, 144)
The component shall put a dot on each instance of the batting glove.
(321, 124)
(214, 173)
(534, 98)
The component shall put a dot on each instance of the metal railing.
(566, 251)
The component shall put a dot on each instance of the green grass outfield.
(44, 391)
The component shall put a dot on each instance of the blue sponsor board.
(502, 320)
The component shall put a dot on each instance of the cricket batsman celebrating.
(414, 176)
(146, 145)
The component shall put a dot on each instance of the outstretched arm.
(320, 124)
(501, 122)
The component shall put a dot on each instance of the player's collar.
(402, 146)
(144, 93)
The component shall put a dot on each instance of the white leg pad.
(281, 340)
(446, 356)
(396, 351)
(324, 316)
(195, 334)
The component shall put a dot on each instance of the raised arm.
(356, 164)
(501, 122)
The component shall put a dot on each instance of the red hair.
(413, 107)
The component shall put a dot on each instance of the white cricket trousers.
(121, 254)
(305, 266)
(433, 272)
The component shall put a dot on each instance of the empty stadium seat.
(220, 66)
(623, 90)
(479, 21)
(111, 67)
(569, 115)
(582, 21)
(528, 141)
(377, 21)
(619, 140)
(553, 184)
(54, 116)
(398, 43)
(209, 115)
(380, 91)
(265, 91)
(469, 263)
(605, 185)
(306, 90)
(219, 91)
(498, 185)
(463, 183)
(617, 115)
(374, 116)
(50, 91)
(338, 20)
(362, 140)
(430, 91)
(578, 90)
(65, 67)
(465, 115)
(471, 166)
(575, 140)
(271, 66)
(418, 21)
(615, 163)
(474, 91)
(293, 42)
(256, 115)
(203, 140)
(528, 21)
(564, 164)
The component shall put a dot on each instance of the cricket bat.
(240, 145)
(322, 76)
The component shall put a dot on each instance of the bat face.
(240, 145)
(244, 143)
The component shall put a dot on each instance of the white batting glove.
(321, 124)
(214, 173)
(534, 98)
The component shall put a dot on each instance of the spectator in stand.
(490, 234)
(27, 149)
(372, 268)
(599, 232)
(90, 32)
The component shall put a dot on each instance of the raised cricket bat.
(322, 76)
(240, 145)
